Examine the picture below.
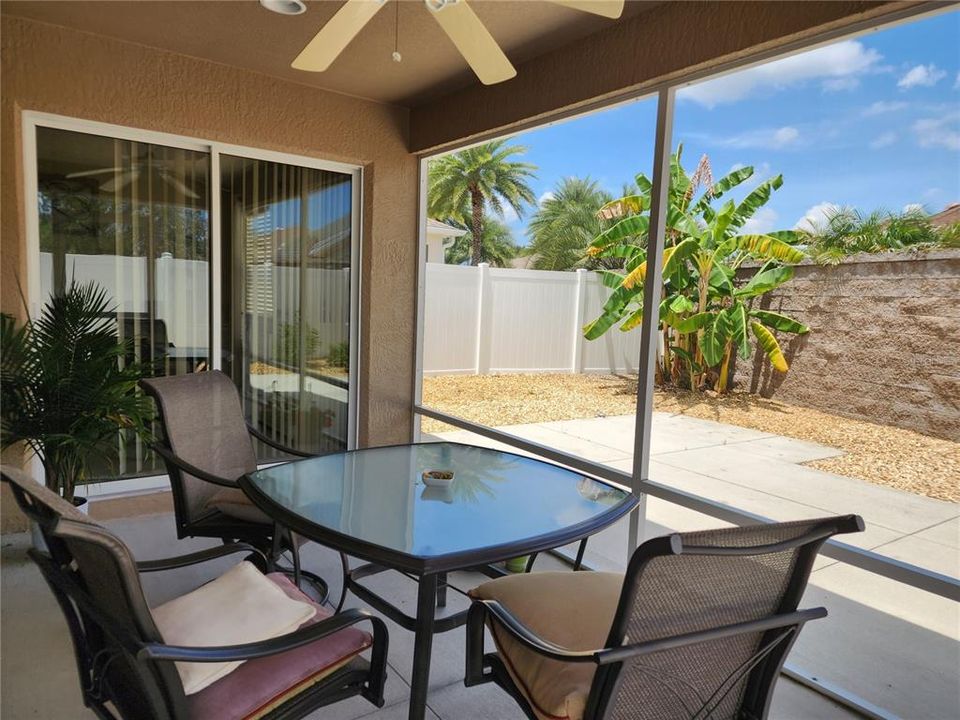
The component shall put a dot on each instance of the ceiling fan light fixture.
(285, 7)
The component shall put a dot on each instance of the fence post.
(484, 322)
(576, 363)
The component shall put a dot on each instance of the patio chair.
(127, 670)
(206, 448)
(698, 627)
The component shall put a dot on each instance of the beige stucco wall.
(51, 69)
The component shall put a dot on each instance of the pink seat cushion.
(261, 684)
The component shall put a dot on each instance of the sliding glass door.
(215, 257)
(287, 234)
(135, 218)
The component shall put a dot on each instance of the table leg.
(423, 646)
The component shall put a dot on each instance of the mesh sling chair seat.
(126, 669)
(698, 627)
(206, 447)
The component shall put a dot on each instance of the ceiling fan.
(455, 17)
(126, 176)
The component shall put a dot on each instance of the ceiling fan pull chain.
(397, 57)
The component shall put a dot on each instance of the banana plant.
(704, 315)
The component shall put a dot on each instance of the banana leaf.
(756, 199)
(612, 312)
(681, 304)
(633, 226)
(610, 278)
(714, 339)
(628, 205)
(633, 320)
(737, 319)
(671, 257)
(765, 281)
(727, 182)
(779, 322)
(768, 343)
(694, 323)
(767, 247)
(685, 354)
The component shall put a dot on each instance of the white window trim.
(31, 120)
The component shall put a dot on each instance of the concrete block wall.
(884, 344)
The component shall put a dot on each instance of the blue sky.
(871, 122)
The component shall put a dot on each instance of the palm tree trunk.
(476, 198)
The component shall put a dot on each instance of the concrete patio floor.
(894, 646)
(34, 636)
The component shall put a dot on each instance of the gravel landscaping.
(879, 454)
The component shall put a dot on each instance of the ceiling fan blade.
(607, 8)
(333, 37)
(88, 173)
(177, 184)
(473, 40)
(121, 182)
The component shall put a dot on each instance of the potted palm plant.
(65, 390)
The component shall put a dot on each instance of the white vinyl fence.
(482, 320)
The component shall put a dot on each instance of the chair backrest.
(696, 582)
(203, 424)
(96, 583)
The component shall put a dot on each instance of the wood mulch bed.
(879, 454)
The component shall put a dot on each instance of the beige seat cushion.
(571, 609)
(240, 606)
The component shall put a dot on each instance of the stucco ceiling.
(243, 34)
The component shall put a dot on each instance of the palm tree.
(461, 186)
(566, 223)
(846, 231)
(497, 245)
(66, 389)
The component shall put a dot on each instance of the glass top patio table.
(373, 504)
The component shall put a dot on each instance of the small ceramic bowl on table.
(437, 478)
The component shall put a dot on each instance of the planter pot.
(517, 564)
(36, 537)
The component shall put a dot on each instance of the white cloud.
(913, 208)
(763, 221)
(921, 75)
(771, 138)
(833, 64)
(509, 214)
(841, 83)
(939, 132)
(548, 195)
(816, 215)
(882, 107)
(883, 140)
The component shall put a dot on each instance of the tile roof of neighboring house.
(949, 215)
(447, 230)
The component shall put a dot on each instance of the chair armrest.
(264, 648)
(167, 454)
(200, 557)
(277, 446)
